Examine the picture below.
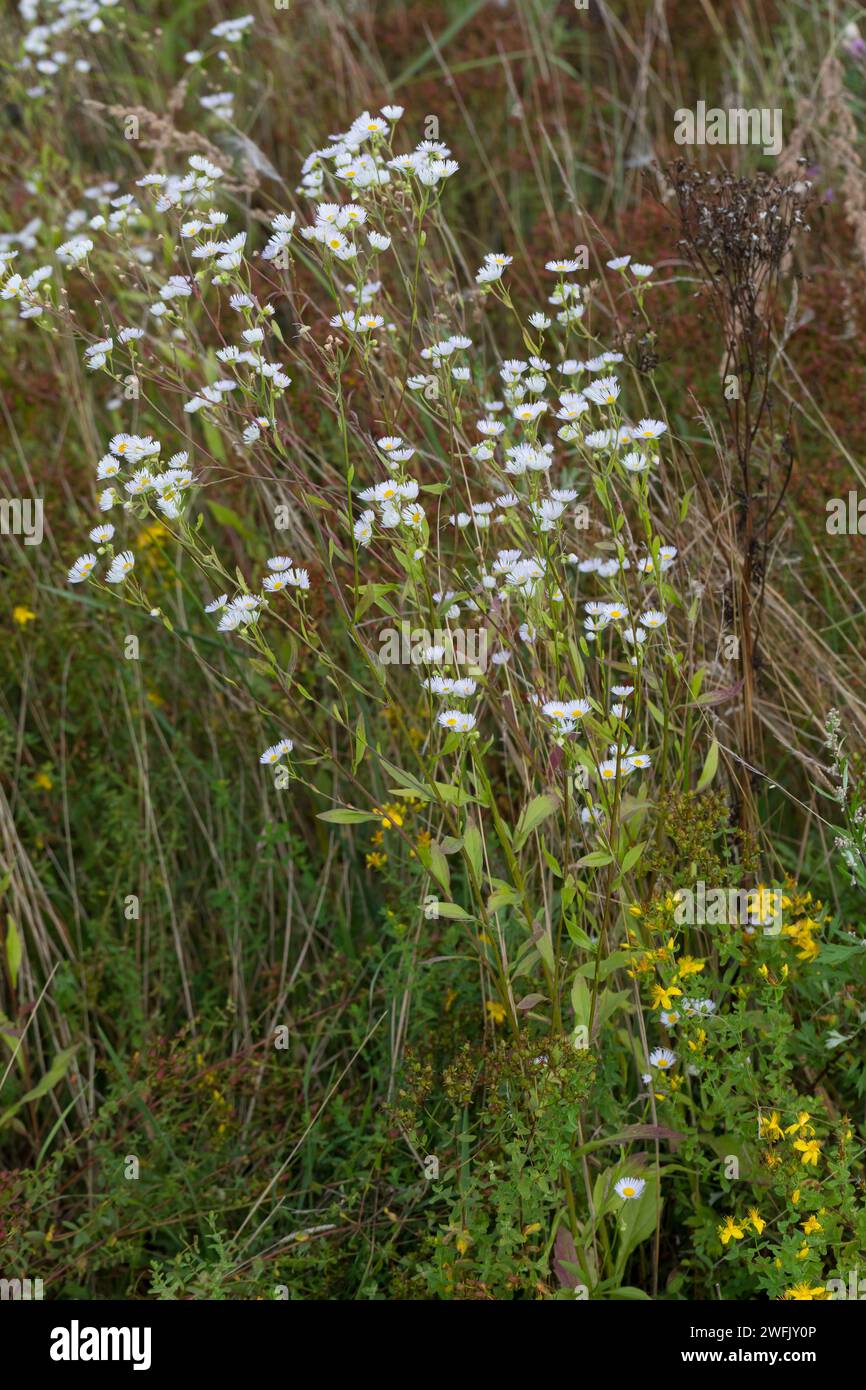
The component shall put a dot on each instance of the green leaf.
(13, 950)
(55, 1073)
(473, 846)
(317, 501)
(544, 946)
(580, 1001)
(685, 503)
(226, 517)
(454, 796)
(710, 766)
(617, 960)
(577, 934)
(657, 714)
(551, 862)
(434, 860)
(406, 781)
(637, 1221)
(537, 811)
(347, 817)
(360, 743)
(374, 593)
(632, 856)
(503, 895)
(453, 911)
(595, 860)
(610, 1001)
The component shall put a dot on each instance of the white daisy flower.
(459, 721)
(276, 751)
(663, 1058)
(84, 566)
(530, 411)
(120, 567)
(363, 528)
(487, 274)
(639, 760)
(634, 462)
(629, 1188)
(607, 769)
(75, 251)
(140, 482)
(604, 391)
(653, 618)
(275, 583)
(649, 429)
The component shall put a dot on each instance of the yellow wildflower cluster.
(675, 970)
(802, 933)
(806, 1144)
(735, 1228)
(805, 922)
(646, 958)
(206, 1083)
(392, 816)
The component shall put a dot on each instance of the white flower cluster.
(532, 442)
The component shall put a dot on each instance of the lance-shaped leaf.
(533, 815)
